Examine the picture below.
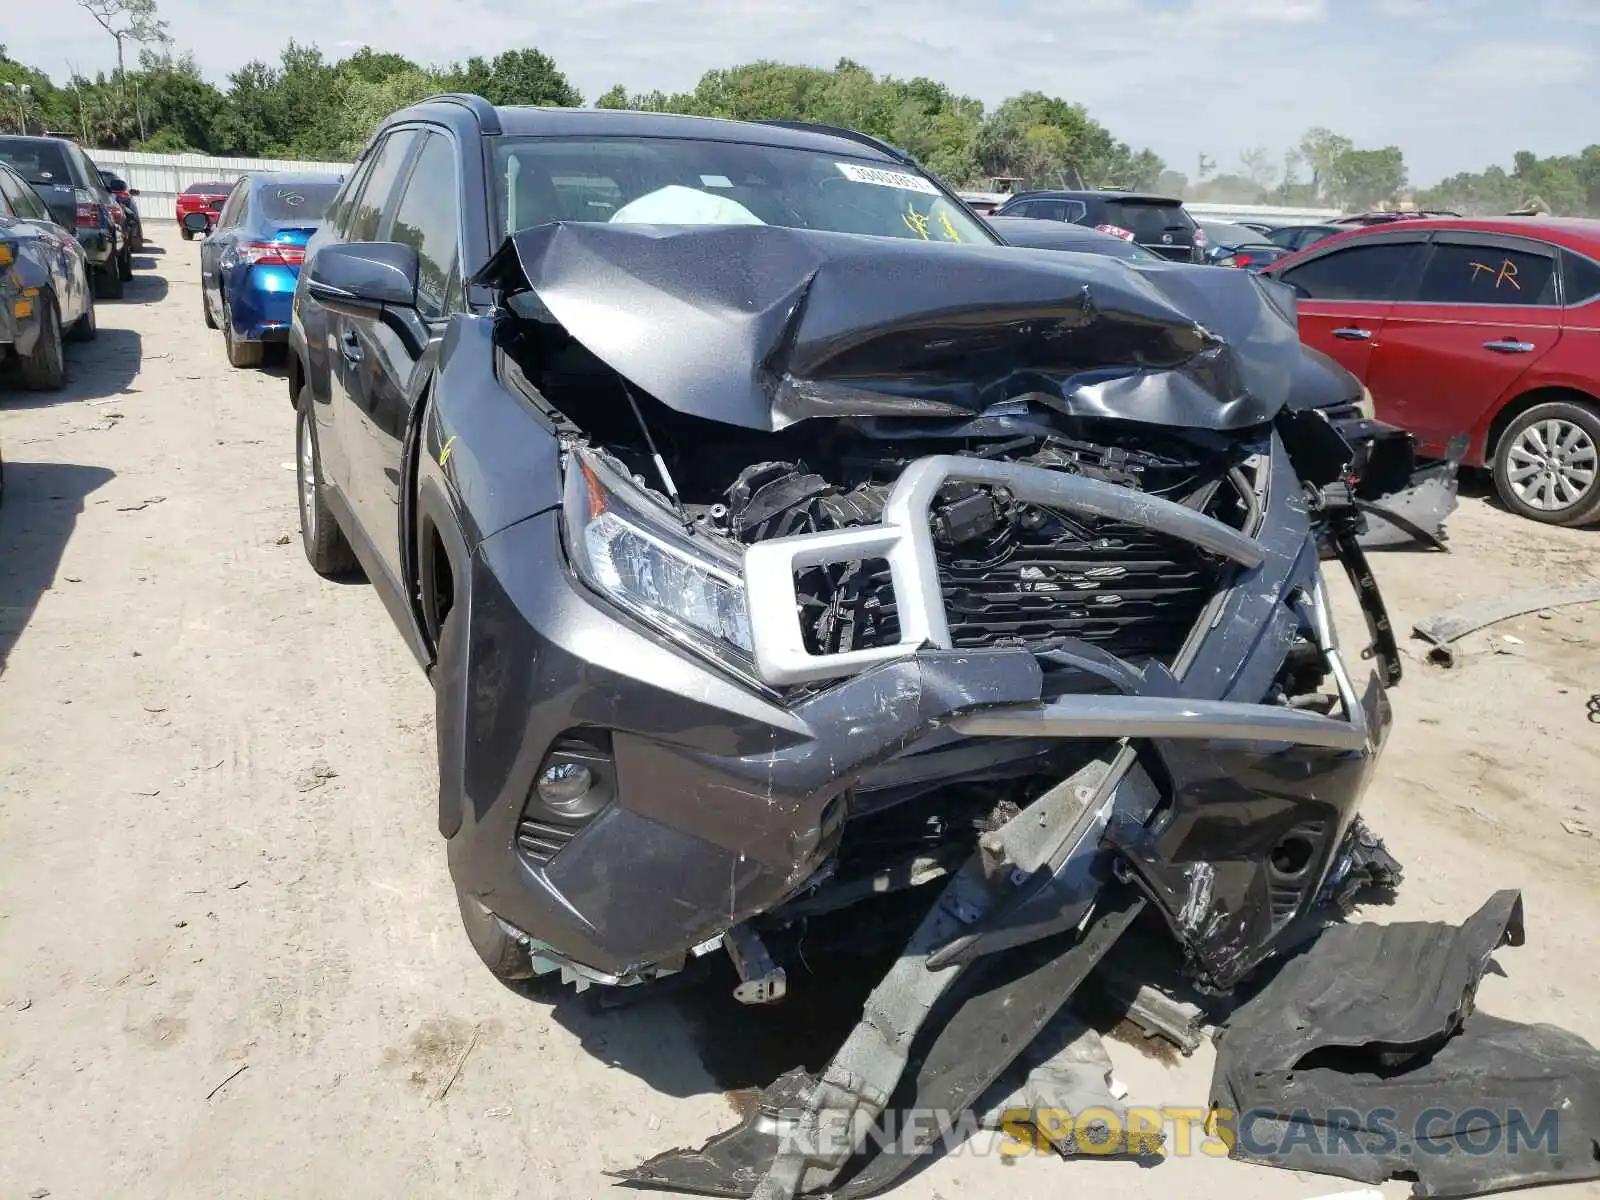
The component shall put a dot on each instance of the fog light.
(564, 785)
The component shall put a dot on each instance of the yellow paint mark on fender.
(444, 454)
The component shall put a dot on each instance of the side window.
(26, 203)
(338, 218)
(1458, 273)
(367, 215)
(1025, 209)
(230, 207)
(1372, 272)
(1077, 210)
(1050, 210)
(10, 200)
(1581, 278)
(428, 220)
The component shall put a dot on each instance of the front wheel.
(45, 369)
(1547, 464)
(186, 234)
(86, 327)
(326, 547)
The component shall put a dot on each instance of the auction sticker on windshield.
(893, 179)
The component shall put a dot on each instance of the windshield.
(1149, 221)
(37, 162)
(676, 181)
(296, 203)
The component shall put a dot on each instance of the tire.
(327, 549)
(205, 306)
(125, 263)
(45, 370)
(186, 234)
(85, 327)
(108, 282)
(240, 354)
(1554, 485)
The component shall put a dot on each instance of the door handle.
(1350, 333)
(350, 347)
(1508, 346)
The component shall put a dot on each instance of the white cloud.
(1455, 84)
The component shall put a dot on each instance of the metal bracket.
(762, 981)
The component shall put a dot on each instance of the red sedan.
(200, 197)
(1483, 326)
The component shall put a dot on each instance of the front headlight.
(636, 553)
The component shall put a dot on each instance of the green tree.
(1363, 179)
(528, 77)
(1319, 150)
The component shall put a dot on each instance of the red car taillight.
(1242, 260)
(1116, 231)
(88, 214)
(271, 254)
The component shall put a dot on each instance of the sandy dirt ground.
(230, 963)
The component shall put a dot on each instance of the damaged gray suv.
(777, 540)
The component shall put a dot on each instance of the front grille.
(1130, 591)
(1135, 593)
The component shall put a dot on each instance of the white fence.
(160, 177)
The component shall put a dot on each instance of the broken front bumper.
(725, 801)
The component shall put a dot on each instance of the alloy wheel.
(307, 464)
(1552, 465)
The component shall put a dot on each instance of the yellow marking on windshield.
(950, 230)
(915, 221)
(444, 454)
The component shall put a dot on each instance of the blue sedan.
(251, 262)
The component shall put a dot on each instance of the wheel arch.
(1532, 398)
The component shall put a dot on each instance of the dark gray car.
(71, 188)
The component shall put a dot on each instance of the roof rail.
(839, 131)
(488, 117)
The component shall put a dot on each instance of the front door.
(1345, 294)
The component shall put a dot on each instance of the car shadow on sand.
(96, 370)
(144, 287)
(686, 1035)
(42, 502)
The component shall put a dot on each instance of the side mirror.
(196, 222)
(362, 278)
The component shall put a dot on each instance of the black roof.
(1099, 194)
(521, 121)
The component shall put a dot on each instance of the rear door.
(1346, 292)
(426, 217)
(1485, 310)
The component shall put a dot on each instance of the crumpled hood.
(763, 326)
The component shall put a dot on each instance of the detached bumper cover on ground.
(1365, 1058)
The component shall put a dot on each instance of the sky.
(1456, 84)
